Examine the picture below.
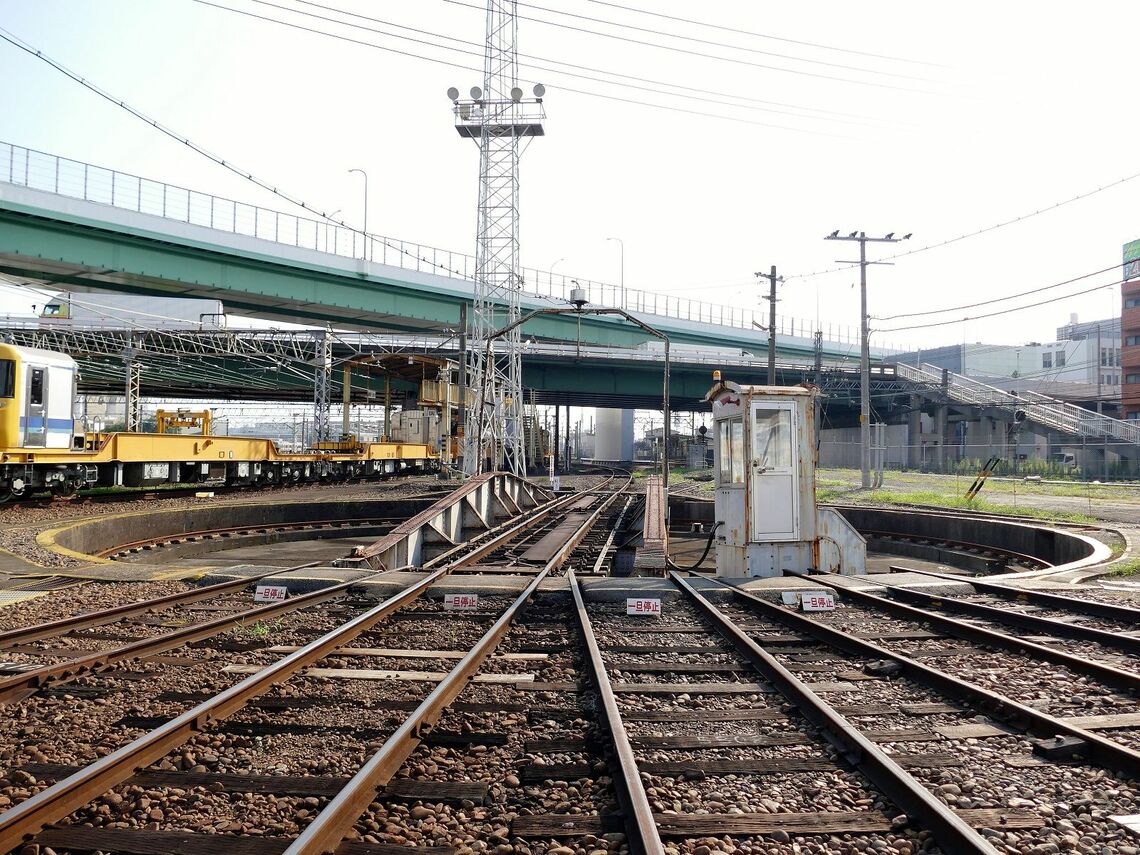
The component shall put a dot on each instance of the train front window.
(7, 378)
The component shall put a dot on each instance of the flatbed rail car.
(42, 449)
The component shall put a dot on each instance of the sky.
(932, 119)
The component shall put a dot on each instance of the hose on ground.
(704, 555)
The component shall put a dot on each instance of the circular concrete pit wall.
(103, 534)
(1058, 547)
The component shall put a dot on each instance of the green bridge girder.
(72, 246)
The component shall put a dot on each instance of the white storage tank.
(613, 439)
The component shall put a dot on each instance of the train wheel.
(62, 489)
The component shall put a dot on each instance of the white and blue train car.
(37, 398)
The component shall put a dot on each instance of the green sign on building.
(1132, 260)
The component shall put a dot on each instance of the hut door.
(774, 472)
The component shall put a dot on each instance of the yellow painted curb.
(46, 539)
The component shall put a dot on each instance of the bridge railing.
(1051, 412)
(78, 180)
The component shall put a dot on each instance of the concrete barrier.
(1058, 547)
(90, 537)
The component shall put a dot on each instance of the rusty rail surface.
(640, 826)
(23, 822)
(1026, 719)
(1036, 623)
(952, 833)
(28, 818)
(1113, 676)
(39, 631)
(18, 686)
(325, 833)
(1109, 611)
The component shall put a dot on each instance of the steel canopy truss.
(258, 364)
(497, 117)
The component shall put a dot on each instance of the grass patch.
(258, 631)
(942, 500)
(995, 485)
(1131, 567)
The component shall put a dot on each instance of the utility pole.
(865, 346)
(771, 298)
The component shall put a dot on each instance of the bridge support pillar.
(942, 427)
(914, 433)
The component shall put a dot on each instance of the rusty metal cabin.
(764, 463)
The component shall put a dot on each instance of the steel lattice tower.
(498, 118)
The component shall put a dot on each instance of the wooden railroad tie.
(699, 825)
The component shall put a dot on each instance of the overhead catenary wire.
(25, 46)
(593, 69)
(711, 42)
(1004, 311)
(998, 299)
(732, 60)
(727, 29)
(977, 232)
(561, 87)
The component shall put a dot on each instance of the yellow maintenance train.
(43, 448)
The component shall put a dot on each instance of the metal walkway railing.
(72, 178)
(1038, 408)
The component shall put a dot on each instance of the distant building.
(1083, 364)
(1130, 329)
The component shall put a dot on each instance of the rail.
(331, 825)
(1109, 611)
(1106, 752)
(1035, 624)
(22, 822)
(1039, 408)
(1120, 678)
(28, 634)
(951, 831)
(37, 170)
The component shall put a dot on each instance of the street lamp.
(365, 174)
(550, 275)
(621, 243)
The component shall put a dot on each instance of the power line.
(732, 60)
(723, 28)
(997, 299)
(981, 231)
(15, 40)
(580, 67)
(562, 88)
(712, 43)
(1004, 311)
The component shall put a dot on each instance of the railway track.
(553, 724)
(77, 786)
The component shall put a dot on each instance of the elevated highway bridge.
(75, 226)
(69, 225)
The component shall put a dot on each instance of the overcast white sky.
(1004, 109)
